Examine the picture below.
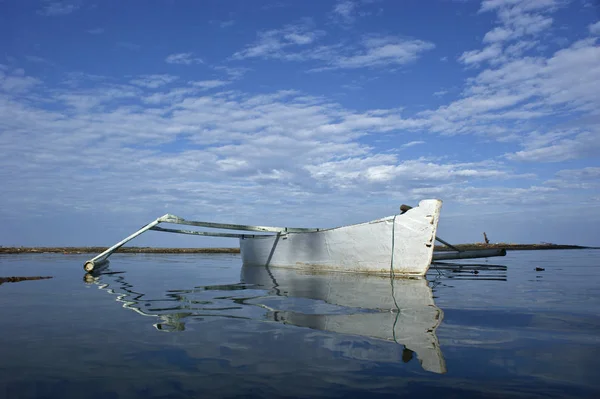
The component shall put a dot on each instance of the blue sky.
(298, 113)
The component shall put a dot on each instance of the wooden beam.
(207, 233)
(227, 226)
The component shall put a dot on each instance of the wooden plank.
(207, 233)
(481, 253)
(467, 266)
(227, 226)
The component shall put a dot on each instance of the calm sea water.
(183, 326)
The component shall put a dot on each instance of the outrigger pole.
(100, 260)
(476, 253)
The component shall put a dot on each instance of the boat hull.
(400, 243)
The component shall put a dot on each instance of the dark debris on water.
(18, 279)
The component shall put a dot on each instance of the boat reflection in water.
(397, 310)
(171, 318)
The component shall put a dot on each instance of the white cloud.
(345, 11)
(568, 76)
(379, 171)
(209, 84)
(498, 195)
(272, 43)
(15, 81)
(517, 49)
(522, 24)
(580, 145)
(490, 53)
(153, 81)
(499, 102)
(521, 5)
(90, 100)
(497, 34)
(382, 51)
(518, 20)
(76, 79)
(233, 147)
(233, 73)
(171, 96)
(298, 43)
(463, 116)
(55, 8)
(595, 28)
(234, 156)
(587, 178)
(183, 59)
(374, 51)
(412, 143)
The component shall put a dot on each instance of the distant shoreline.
(156, 250)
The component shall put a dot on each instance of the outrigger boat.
(402, 244)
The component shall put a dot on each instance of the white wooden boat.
(400, 244)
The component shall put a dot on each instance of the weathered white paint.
(365, 247)
(400, 310)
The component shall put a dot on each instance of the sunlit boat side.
(400, 243)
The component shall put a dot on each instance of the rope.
(393, 247)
